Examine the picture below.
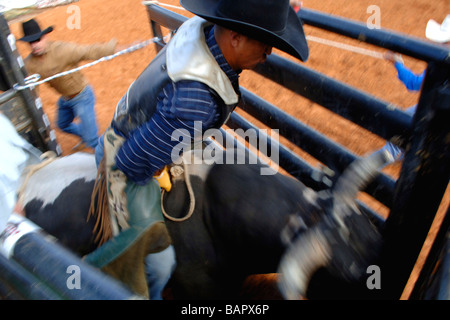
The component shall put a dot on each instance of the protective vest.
(186, 57)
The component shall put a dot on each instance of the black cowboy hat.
(272, 22)
(32, 31)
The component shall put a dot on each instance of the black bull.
(242, 224)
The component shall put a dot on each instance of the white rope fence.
(327, 42)
(33, 80)
(163, 4)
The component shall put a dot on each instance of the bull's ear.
(322, 207)
(293, 229)
(325, 200)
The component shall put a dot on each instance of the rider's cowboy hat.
(32, 31)
(438, 32)
(272, 22)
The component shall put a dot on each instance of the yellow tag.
(164, 180)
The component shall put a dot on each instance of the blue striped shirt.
(180, 104)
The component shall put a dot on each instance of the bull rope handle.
(191, 197)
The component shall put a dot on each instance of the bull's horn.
(358, 174)
(305, 256)
(312, 250)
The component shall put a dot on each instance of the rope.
(32, 80)
(163, 4)
(191, 196)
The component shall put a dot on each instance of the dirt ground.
(127, 21)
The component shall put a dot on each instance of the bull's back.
(57, 198)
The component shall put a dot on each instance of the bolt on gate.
(415, 197)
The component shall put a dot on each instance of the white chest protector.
(189, 58)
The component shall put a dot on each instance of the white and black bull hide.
(57, 198)
(240, 225)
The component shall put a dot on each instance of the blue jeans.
(159, 267)
(99, 150)
(81, 106)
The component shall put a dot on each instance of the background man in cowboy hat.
(77, 96)
(194, 79)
